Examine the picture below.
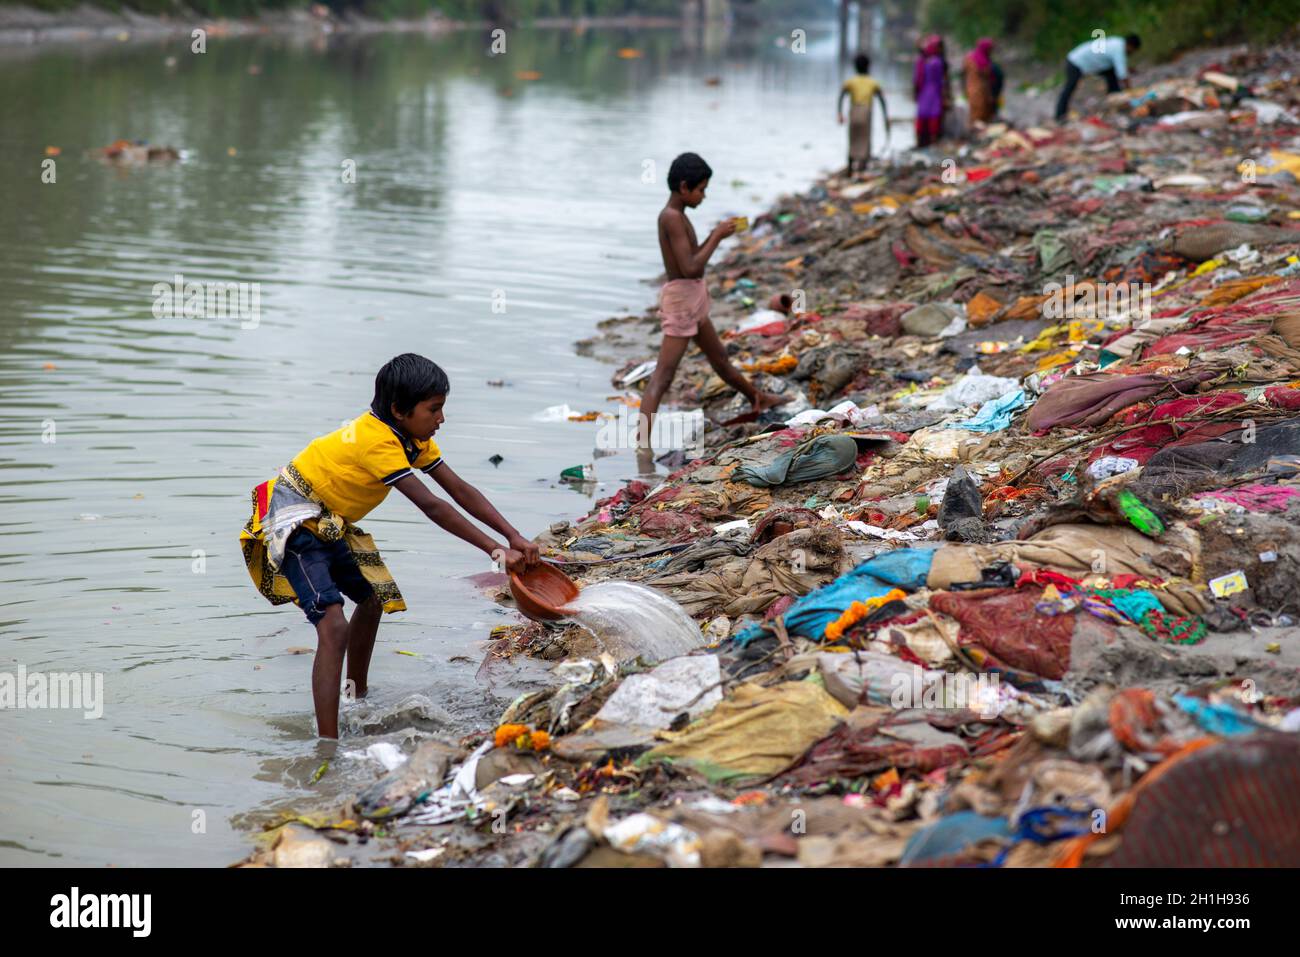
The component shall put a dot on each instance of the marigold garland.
(522, 737)
(859, 610)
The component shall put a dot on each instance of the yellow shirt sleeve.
(429, 458)
(384, 459)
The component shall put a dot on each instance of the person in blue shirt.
(1106, 57)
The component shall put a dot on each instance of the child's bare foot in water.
(763, 401)
(645, 461)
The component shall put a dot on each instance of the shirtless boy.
(684, 299)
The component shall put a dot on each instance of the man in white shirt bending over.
(1107, 56)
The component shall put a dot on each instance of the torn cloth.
(904, 568)
(995, 414)
(792, 564)
(819, 458)
(1003, 622)
(1087, 549)
(1087, 401)
(871, 741)
(753, 734)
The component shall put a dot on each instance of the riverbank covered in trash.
(1010, 581)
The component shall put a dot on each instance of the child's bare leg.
(670, 356)
(361, 642)
(716, 353)
(331, 645)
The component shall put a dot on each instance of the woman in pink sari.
(980, 82)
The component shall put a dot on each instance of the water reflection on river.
(129, 442)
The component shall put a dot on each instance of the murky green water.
(129, 442)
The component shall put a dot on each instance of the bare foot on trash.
(645, 462)
(767, 400)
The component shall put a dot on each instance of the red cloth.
(1046, 576)
(1141, 444)
(854, 750)
(881, 321)
(675, 525)
(1182, 408)
(1003, 622)
(1131, 581)
(1214, 334)
(1254, 783)
(1089, 400)
(631, 493)
(902, 254)
(1283, 397)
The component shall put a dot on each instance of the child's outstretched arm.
(884, 111)
(445, 516)
(839, 104)
(475, 502)
(691, 259)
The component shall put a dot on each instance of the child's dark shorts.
(321, 573)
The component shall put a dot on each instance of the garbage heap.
(1011, 578)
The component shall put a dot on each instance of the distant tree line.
(380, 9)
(1049, 29)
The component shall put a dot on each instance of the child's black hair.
(862, 63)
(405, 380)
(1134, 41)
(689, 168)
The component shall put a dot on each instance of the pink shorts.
(683, 305)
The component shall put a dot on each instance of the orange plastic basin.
(542, 591)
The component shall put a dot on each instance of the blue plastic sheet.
(905, 568)
(995, 414)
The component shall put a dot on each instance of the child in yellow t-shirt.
(861, 90)
(302, 545)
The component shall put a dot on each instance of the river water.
(130, 440)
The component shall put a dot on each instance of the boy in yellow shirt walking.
(861, 90)
(301, 543)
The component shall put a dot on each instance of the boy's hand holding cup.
(532, 554)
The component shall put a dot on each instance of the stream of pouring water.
(632, 620)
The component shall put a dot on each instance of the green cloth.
(1134, 603)
(818, 458)
(1053, 254)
